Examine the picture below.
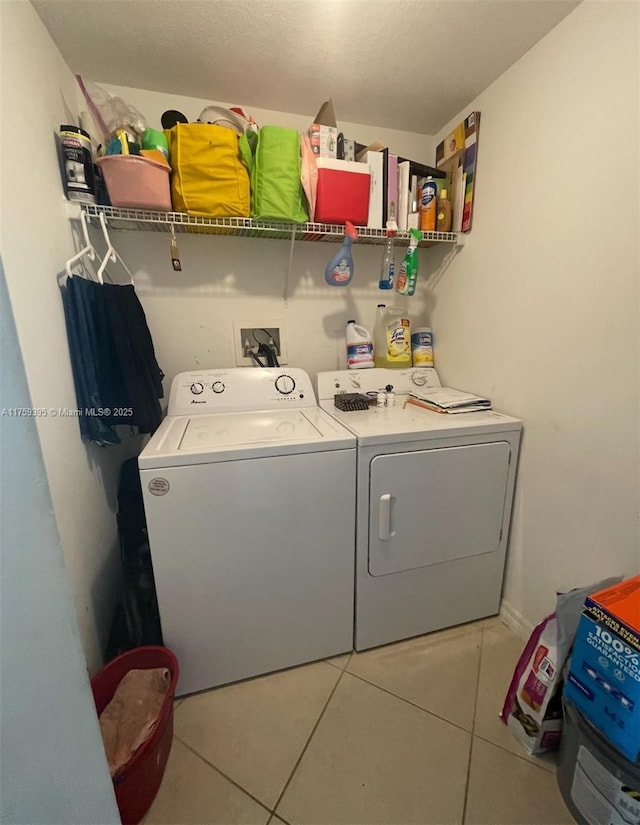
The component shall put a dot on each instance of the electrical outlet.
(249, 335)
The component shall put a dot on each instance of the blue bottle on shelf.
(339, 271)
(388, 265)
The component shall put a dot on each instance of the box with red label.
(604, 678)
(343, 192)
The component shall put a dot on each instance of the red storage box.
(343, 192)
(136, 182)
(137, 784)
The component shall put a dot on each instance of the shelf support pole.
(285, 294)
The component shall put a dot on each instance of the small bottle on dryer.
(390, 396)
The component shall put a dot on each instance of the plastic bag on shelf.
(111, 113)
(233, 118)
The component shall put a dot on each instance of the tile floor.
(403, 734)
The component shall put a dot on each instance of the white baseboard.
(515, 620)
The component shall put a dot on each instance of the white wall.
(191, 313)
(540, 310)
(52, 762)
(38, 94)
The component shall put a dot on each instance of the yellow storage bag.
(209, 176)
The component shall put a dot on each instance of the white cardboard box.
(375, 161)
(324, 140)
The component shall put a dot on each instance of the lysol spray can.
(428, 196)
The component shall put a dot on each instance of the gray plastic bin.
(598, 785)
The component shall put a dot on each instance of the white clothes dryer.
(434, 495)
(249, 494)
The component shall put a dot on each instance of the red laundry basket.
(137, 783)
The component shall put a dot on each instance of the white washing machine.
(434, 495)
(249, 494)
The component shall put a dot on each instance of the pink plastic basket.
(135, 182)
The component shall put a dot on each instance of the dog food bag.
(533, 706)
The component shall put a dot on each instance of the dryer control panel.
(240, 388)
(374, 379)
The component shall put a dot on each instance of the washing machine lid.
(207, 432)
(400, 424)
(200, 439)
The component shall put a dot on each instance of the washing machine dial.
(218, 387)
(285, 384)
(418, 378)
(197, 388)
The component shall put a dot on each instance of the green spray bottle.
(406, 280)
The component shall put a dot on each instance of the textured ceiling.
(403, 64)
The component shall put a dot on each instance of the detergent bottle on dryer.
(392, 338)
(359, 347)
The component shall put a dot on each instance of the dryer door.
(433, 506)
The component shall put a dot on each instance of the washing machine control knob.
(285, 384)
(218, 387)
(418, 378)
(197, 388)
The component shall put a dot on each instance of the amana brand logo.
(159, 486)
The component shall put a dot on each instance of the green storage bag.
(273, 157)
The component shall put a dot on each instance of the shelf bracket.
(73, 209)
(285, 294)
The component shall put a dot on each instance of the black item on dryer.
(137, 620)
(352, 401)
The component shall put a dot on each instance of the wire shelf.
(144, 220)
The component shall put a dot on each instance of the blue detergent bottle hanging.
(339, 271)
